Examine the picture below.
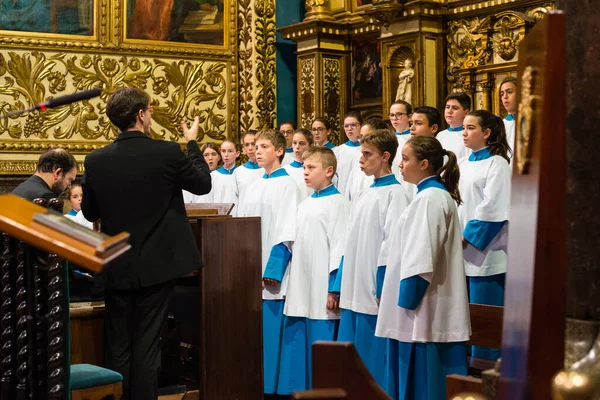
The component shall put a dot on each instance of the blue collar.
(406, 132)
(72, 213)
(482, 154)
(457, 129)
(352, 144)
(276, 174)
(251, 165)
(224, 171)
(328, 191)
(510, 117)
(431, 182)
(329, 145)
(289, 150)
(385, 180)
(296, 164)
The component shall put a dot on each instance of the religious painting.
(177, 21)
(70, 17)
(366, 73)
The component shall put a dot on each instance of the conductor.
(135, 185)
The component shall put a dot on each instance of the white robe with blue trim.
(427, 242)
(485, 190)
(224, 188)
(296, 171)
(244, 177)
(347, 158)
(317, 251)
(409, 187)
(453, 141)
(275, 200)
(371, 219)
(357, 182)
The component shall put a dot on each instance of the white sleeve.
(494, 207)
(336, 233)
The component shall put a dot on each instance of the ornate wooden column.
(322, 65)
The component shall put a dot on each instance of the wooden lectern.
(34, 338)
(227, 308)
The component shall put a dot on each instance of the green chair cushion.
(85, 376)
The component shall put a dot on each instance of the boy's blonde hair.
(276, 139)
(383, 140)
(323, 155)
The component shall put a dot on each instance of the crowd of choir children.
(382, 241)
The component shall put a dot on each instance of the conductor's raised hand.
(191, 133)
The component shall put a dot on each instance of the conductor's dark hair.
(56, 158)
(123, 106)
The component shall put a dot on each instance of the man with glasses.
(287, 129)
(135, 185)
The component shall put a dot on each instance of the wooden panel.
(320, 394)
(231, 343)
(87, 335)
(534, 311)
(486, 325)
(456, 384)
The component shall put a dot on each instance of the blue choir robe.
(485, 190)
(321, 227)
(274, 198)
(424, 309)
(371, 219)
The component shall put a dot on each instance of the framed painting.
(177, 23)
(366, 74)
(43, 17)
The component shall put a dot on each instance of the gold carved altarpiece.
(230, 84)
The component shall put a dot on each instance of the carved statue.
(405, 82)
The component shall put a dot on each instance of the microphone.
(57, 102)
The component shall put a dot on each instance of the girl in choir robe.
(348, 154)
(75, 195)
(508, 96)
(274, 198)
(485, 188)
(224, 187)
(321, 129)
(248, 172)
(210, 151)
(424, 309)
(287, 129)
(358, 180)
(301, 142)
(362, 269)
(311, 310)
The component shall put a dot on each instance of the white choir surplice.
(194, 198)
(484, 188)
(452, 140)
(288, 157)
(509, 126)
(427, 242)
(244, 176)
(224, 188)
(372, 217)
(348, 156)
(79, 218)
(357, 182)
(322, 221)
(296, 170)
(409, 187)
(275, 199)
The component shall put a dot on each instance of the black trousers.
(133, 321)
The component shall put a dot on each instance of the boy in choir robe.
(400, 112)
(457, 107)
(425, 121)
(362, 269)
(348, 154)
(358, 180)
(210, 151)
(485, 187)
(301, 142)
(224, 187)
(311, 308)
(287, 129)
(321, 129)
(508, 96)
(424, 309)
(274, 198)
(248, 172)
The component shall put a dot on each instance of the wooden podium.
(228, 308)
(34, 313)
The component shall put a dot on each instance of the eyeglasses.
(150, 109)
(288, 132)
(352, 125)
(397, 115)
(319, 129)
